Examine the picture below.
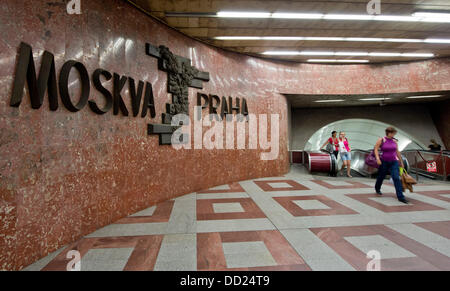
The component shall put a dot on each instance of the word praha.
(214, 103)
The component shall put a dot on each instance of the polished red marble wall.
(64, 175)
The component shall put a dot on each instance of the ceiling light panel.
(326, 38)
(437, 17)
(329, 101)
(424, 97)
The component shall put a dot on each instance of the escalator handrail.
(362, 151)
(443, 153)
(441, 156)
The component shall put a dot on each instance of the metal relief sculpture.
(181, 75)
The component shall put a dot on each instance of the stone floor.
(294, 222)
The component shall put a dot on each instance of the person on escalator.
(345, 152)
(332, 144)
(389, 162)
(434, 146)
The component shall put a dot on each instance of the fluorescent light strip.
(336, 61)
(416, 17)
(321, 61)
(396, 18)
(294, 38)
(364, 39)
(298, 15)
(239, 38)
(309, 53)
(281, 53)
(375, 99)
(385, 54)
(437, 40)
(350, 39)
(349, 54)
(421, 97)
(417, 55)
(329, 101)
(347, 17)
(353, 61)
(318, 38)
(411, 40)
(433, 16)
(236, 14)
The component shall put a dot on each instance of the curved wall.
(64, 175)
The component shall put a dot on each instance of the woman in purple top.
(389, 162)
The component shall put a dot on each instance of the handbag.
(330, 148)
(407, 182)
(409, 179)
(371, 159)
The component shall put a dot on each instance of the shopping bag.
(408, 179)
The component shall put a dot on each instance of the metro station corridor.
(211, 135)
(292, 222)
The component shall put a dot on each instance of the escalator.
(324, 162)
(416, 162)
(419, 159)
(358, 164)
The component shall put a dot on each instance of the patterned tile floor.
(294, 222)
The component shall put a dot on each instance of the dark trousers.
(336, 153)
(393, 168)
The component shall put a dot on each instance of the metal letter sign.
(181, 75)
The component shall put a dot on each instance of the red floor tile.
(143, 257)
(436, 194)
(234, 188)
(426, 258)
(414, 205)
(162, 214)
(354, 185)
(211, 257)
(335, 207)
(265, 186)
(441, 228)
(205, 210)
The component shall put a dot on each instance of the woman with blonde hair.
(345, 152)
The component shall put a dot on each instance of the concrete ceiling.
(198, 19)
